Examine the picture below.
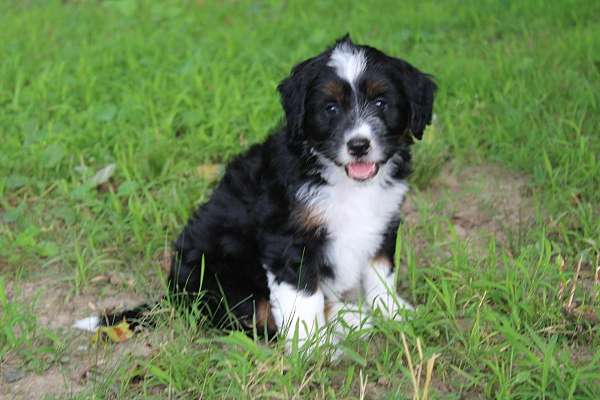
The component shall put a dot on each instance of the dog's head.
(356, 107)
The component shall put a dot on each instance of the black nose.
(358, 146)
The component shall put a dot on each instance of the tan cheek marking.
(264, 317)
(307, 218)
(381, 260)
(327, 311)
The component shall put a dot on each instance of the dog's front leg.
(298, 313)
(378, 278)
(380, 288)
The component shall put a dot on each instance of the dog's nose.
(358, 146)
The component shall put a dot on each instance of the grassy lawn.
(501, 245)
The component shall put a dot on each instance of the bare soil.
(481, 203)
(56, 307)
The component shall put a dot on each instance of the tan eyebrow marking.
(375, 88)
(335, 90)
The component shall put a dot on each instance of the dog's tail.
(137, 316)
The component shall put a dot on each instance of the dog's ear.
(293, 91)
(419, 89)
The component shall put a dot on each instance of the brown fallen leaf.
(100, 278)
(113, 279)
(242, 139)
(210, 172)
(117, 333)
(165, 260)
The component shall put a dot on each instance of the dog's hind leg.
(296, 313)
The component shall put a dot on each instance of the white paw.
(299, 316)
(391, 306)
(346, 317)
(380, 290)
(304, 336)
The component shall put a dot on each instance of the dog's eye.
(332, 109)
(380, 103)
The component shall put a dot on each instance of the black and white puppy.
(302, 228)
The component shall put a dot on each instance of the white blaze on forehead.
(348, 61)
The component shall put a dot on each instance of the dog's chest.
(356, 218)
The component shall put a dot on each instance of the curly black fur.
(254, 221)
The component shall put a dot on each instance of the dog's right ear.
(293, 91)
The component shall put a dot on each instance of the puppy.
(302, 228)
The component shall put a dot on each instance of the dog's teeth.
(89, 324)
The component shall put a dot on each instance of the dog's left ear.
(419, 89)
(293, 91)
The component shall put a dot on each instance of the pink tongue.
(361, 170)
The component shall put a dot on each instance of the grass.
(161, 88)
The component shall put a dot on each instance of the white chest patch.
(356, 215)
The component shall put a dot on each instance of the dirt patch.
(56, 307)
(82, 365)
(480, 202)
(53, 382)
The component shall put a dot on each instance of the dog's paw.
(392, 307)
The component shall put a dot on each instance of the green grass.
(160, 88)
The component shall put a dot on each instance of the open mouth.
(361, 170)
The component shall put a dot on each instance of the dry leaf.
(103, 175)
(242, 139)
(100, 278)
(117, 333)
(210, 172)
(165, 260)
